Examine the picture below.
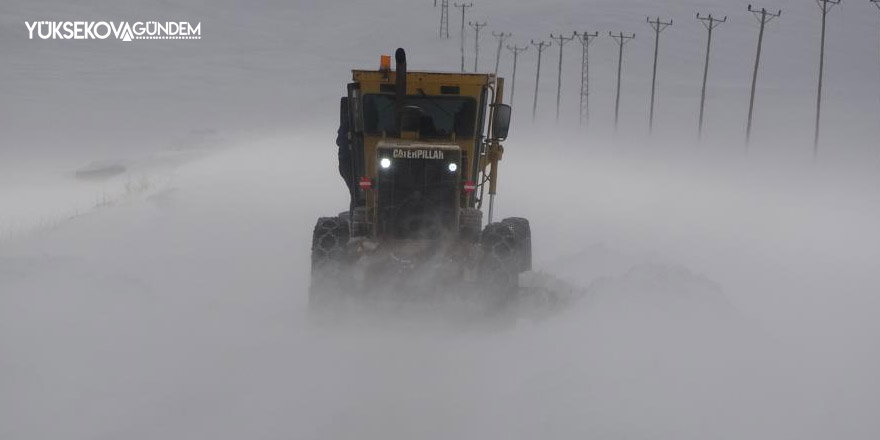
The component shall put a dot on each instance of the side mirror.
(501, 122)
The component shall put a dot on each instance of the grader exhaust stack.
(400, 88)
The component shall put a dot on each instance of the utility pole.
(659, 27)
(516, 51)
(710, 23)
(763, 17)
(876, 3)
(586, 40)
(825, 6)
(477, 27)
(541, 45)
(463, 7)
(560, 40)
(621, 40)
(444, 19)
(500, 37)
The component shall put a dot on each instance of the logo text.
(123, 31)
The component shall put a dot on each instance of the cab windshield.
(440, 116)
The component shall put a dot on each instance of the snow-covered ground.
(715, 294)
(182, 315)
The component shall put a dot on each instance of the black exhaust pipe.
(400, 89)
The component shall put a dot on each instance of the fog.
(685, 289)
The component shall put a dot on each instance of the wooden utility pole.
(560, 40)
(516, 51)
(659, 27)
(541, 45)
(763, 17)
(710, 23)
(477, 27)
(876, 3)
(501, 36)
(621, 40)
(825, 6)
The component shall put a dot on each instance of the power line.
(463, 8)
(586, 39)
(825, 6)
(763, 17)
(621, 39)
(541, 45)
(516, 51)
(501, 37)
(710, 23)
(560, 40)
(659, 27)
(477, 27)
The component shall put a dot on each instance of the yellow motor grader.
(419, 152)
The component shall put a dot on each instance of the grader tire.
(501, 260)
(329, 259)
(523, 232)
